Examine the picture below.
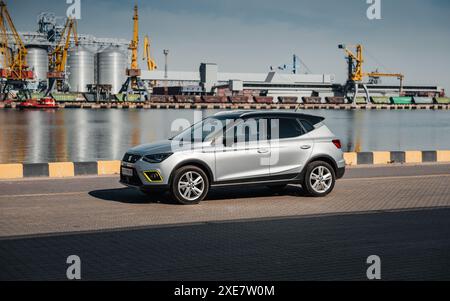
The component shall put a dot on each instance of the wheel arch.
(197, 163)
(325, 158)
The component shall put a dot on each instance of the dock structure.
(233, 106)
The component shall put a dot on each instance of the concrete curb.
(58, 169)
(72, 169)
(395, 157)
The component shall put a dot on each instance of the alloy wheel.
(191, 185)
(321, 179)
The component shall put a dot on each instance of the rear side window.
(308, 126)
(284, 128)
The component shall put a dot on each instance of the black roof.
(271, 114)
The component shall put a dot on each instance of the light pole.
(166, 54)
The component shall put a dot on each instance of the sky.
(413, 36)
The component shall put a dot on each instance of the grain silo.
(112, 65)
(37, 60)
(80, 69)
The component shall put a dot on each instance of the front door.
(244, 154)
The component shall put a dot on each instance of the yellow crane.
(151, 64)
(15, 66)
(356, 73)
(134, 44)
(58, 57)
(133, 84)
(355, 66)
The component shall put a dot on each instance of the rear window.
(308, 126)
(284, 128)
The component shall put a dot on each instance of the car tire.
(189, 185)
(319, 179)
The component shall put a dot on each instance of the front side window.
(251, 130)
(204, 130)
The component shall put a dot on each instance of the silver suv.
(269, 148)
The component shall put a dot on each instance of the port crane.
(356, 73)
(151, 64)
(58, 57)
(15, 71)
(134, 84)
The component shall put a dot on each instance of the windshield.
(204, 130)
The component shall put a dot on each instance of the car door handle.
(305, 147)
(263, 151)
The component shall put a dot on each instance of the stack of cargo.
(263, 99)
(161, 99)
(214, 99)
(360, 100)
(312, 100)
(65, 97)
(287, 99)
(185, 98)
(239, 99)
(335, 100)
(423, 100)
(442, 100)
(404, 100)
(381, 100)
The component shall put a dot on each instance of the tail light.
(337, 143)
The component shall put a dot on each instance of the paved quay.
(401, 214)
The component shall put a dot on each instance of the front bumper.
(144, 175)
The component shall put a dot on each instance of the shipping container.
(401, 100)
(312, 100)
(288, 99)
(442, 100)
(381, 100)
(215, 99)
(335, 100)
(239, 99)
(263, 99)
(423, 100)
(360, 100)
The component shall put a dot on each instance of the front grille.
(131, 158)
(133, 180)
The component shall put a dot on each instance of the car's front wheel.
(190, 185)
(319, 179)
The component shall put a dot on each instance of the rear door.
(291, 147)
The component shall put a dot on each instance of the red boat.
(43, 103)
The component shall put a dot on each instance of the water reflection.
(90, 135)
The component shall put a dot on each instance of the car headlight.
(156, 158)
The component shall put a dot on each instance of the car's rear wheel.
(190, 185)
(320, 179)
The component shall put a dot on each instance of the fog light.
(153, 176)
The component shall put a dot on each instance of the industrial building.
(84, 67)
(208, 80)
(94, 60)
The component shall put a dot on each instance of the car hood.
(158, 147)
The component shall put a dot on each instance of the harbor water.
(89, 135)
